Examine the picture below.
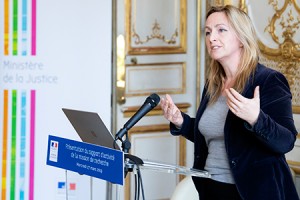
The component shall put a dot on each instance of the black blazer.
(256, 155)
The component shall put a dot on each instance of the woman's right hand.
(171, 111)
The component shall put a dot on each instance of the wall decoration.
(157, 27)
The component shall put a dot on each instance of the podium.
(98, 157)
(132, 162)
(105, 163)
(101, 162)
(173, 169)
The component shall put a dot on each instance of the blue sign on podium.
(84, 158)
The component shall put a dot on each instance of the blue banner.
(84, 158)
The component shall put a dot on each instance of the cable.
(136, 196)
(138, 185)
(137, 178)
(141, 181)
(133, 162)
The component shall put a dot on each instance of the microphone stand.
(130, 160)
(126, 144)
(133, 162)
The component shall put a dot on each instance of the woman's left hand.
(244, 108)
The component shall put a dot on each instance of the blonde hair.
(243, 27)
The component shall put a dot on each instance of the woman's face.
(221, 41)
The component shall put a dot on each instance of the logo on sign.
(53, 153)
(71, 187)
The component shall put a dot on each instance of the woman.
(244, 124)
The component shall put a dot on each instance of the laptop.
(90, 128)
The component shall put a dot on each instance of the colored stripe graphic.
(6, 27)
(23, 146)
(12, 16)
(4, 147)
(33, 27)
(32, 140)
(15, 27)
(13, 145)
(15, 107)
(24, 27)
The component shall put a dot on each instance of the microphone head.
(153, 99)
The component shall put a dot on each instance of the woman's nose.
(212, 36)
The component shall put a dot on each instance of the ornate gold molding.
(130, 111)
(144, 86)
(155, 29)
(139, 44)
(154, 35)
(288, 25)
(283, 27)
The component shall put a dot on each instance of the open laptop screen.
(90, 128)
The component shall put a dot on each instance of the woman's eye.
(222, 30)
(207, 33)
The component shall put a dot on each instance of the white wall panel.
(71, 67)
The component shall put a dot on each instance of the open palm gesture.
(244, 108)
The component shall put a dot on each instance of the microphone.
(148, 105)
